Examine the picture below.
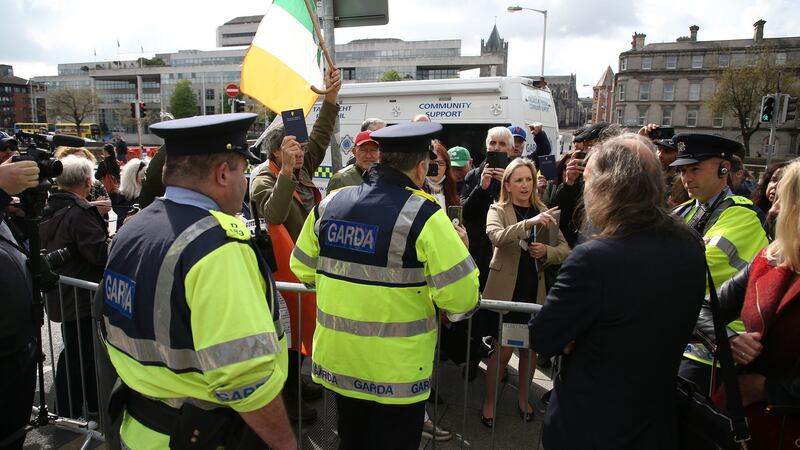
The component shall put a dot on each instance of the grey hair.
(370, 123)
(624, 190)
(76, 171)
(501, 134)
(274, 139)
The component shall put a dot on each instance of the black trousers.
(698, 373)
(365, 425)
(71, 381)
(17, 385)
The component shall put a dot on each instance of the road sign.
(232, 90)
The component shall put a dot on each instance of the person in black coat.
(622, 309)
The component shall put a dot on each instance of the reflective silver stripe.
(303, 257)
(458, 317)
(238, 350)
(374, 274)
(148, 351)
(375, 388)
(730, 250)
(162, 311)
(453, 274)
(376, 329)
(321, 209)
(220, 355)
(401, 230)
(699, 352)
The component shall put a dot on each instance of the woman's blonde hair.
(62, 152)
(624, 189)
(505, 196)
(786, 246)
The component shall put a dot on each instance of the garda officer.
(728, 224)
(383, 256)
(188, 303)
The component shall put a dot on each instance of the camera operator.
(71, 222)
(17, 328)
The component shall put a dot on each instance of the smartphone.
(456, 214)
(433, 169)
(662, 133)
(497, 159)
(580, 154)
(294, 123)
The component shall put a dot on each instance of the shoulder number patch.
(233, 226)
(350, 235)
(118, 293)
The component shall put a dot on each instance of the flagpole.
(322, 45)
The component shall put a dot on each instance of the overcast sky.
(583, 36)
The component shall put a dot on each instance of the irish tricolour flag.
(284, 59)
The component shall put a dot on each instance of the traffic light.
(788, 109)
(767, 108)
(142, 111)
(238, 106)
(133, 109)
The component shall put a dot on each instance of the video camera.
(39, 149)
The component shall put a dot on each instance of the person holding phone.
(516, 270)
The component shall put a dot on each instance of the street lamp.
(512, 9)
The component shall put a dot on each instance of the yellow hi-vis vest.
(733, 237)
(382, 255)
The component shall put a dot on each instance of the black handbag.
(703, 425)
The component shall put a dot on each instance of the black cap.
(667, 144)
(591, 133)
(7, 140)
(410, 137)
(696, 147)
(202, 135)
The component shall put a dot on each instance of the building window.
(620, 117)
(623, 64)
(697, 61)
(694, 92)
(691, 118)
(642, 120)
(621, 92)
(666, 119)
(210, 110)
(724, 60)
(780, 59)
(348, 73)
(644, 91)
(669, 92)
(717, 122)
(647, 63)
(672, 62)
(209, 94)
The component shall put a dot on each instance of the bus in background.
(30, 127)
(88, 130)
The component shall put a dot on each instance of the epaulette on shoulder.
(233, 226)
(739, 200)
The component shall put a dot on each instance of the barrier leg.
(63, 369)
(497, 357)
(299, 367)
(466, 386)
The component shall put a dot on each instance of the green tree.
(72, 104)
(183, 102)
(741, 87)
(390, 75)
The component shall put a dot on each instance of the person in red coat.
(767, 295)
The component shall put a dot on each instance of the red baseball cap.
(365, 136)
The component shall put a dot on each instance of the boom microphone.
(59, 140)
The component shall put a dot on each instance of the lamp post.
(512, 9)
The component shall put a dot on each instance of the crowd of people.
(400, 247)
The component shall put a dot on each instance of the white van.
(467, 108)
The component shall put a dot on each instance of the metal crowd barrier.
(96, 425)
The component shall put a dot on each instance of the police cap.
(666, 144)
(591, 133)
(411, 137)
(203, 135)
(696, 147)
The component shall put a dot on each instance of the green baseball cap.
(459, 156)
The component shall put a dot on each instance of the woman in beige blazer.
(516, 270)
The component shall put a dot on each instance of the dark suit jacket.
(630, 305)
